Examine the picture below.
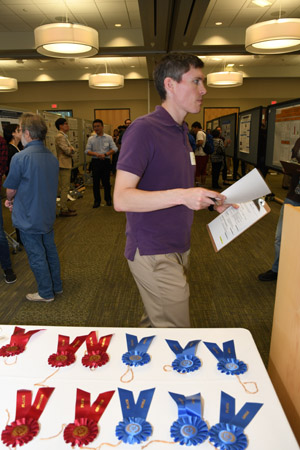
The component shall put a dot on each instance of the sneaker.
(37, 298)
(268, 276)
(9, 276)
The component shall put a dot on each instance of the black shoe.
(225, 183)
(96, 205)
(9, 276)
(108, 203)
(268, 276)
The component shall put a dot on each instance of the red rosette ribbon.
(81, 432)
(85, 429)
(95, 359)
(18, 342)
(96, 351)
(20, 432)
(65, 355)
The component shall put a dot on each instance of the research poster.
(244, 133)
(287, 131)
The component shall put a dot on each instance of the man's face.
(65, 127)
(127, 123)
(188, 93)
(98, 128)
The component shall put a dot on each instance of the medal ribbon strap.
(40, 402)
(23, 403)
(215, 350)
(63, 343)
(78, 341)
(188, 405)
(82, 407)
(228, 349)
(92, 343)
(133, 344)
(140, 409)
(174, 346)
(243, 417)
(189, 349)
(100, 404)
(104, 342)
(21, 339)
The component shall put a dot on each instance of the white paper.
(232, 222)
(250, 187)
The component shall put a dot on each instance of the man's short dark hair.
(174, 65)
(9, 130)
(216, 133)
(98, 121)
(35, 125)
(196, 125)
(59, 122)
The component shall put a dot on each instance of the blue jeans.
(44, 262)
(287, 201)
(4, 249)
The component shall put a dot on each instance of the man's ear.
(169, 84)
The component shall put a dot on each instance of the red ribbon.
(97, 355)
(26, 427)
(18, 342)
(65, 351)
(84, 429)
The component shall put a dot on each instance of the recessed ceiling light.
(230, 65)
(241, 65)
(118, 24)
(216, 58)
(261, 3)
(219, 23)
(132, 66)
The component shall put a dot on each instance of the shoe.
(108, 203)
(268, 276)
(58, 292)
(67, 213)
(37, 298)
(226, 184)
(9, 276)
(72, 210)
(96, 205)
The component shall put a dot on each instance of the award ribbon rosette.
(26, 427)
(18, 342)
(229, 433)
(85, 429)
(137, 351)
(134, 429)
(65, 355)
(189, 428)
(227, 362)
(96, 351)
(185, 361)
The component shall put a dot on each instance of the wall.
(77, 95)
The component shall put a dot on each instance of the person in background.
(225, 167)
(64, 151)
(292, 198)
(100, 147)
(217, 158)
(155, 187)
(31, 189)
(201, 156)
(5, 261)
(114, 159)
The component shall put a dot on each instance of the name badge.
(193, 159)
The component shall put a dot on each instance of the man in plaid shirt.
(5, 261)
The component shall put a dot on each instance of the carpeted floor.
(99, 290)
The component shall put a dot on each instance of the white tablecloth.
(269, 430)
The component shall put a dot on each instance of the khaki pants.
(163, 285)
(64, 185)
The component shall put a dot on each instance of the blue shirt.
(34, 175)
(100, 144)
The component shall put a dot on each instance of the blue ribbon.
(189, 349)
(136, 355)
(189, 429)
(227, 358)
(134, 428)
(186, 360)
(228, 434)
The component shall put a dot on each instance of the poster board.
(228, 125)
(249, 143)
(8, 116)
(282, 132)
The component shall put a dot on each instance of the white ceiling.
(150, 28)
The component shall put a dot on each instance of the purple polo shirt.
(157, 149)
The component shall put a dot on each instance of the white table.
(269, 430)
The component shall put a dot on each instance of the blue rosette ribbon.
(137, 351)
(229, 433)
(227, 361)
(189, 428)
(185, 361)
(134, 428)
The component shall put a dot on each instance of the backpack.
(209, 144)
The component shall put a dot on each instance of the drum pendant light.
(224, 79)
(8, 84)
(106, 81)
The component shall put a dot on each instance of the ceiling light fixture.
(8, 84)
(273, 37)
(106, 81)
(62, 40)
(224, 79)
(261, 3)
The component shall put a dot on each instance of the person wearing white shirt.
(201, 156)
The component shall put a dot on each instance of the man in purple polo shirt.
(155, 187)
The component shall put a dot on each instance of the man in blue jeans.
(31, 188)
(292, 198)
